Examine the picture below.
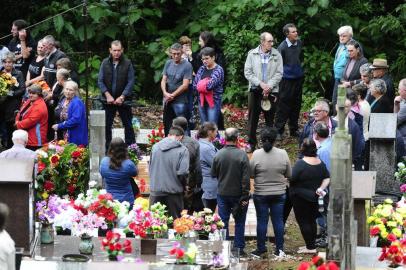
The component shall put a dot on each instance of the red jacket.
(34, 119)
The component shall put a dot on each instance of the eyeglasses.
(318, 111)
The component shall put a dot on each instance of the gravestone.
(17, 191)
(97, 143)
(341, 231)
(382, 136)
(363, 189)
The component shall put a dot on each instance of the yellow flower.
(386, 212)
(70, 173)
(384, 234)
(144, 203)
(392, 224)
(397, 232)
(370, 219)
(388, 201)
(191, 251)
(44, 195)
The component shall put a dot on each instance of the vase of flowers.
(86, 245)
(47, 233)
(395, 253)
(134, 153)
(205, 222)
(115, 250)
(47, 210)
(184, 255)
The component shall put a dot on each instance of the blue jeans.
(225, 205)
(208, 114)
(171, 111)
(272, 205)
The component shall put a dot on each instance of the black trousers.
(306, 213)
(126, 116)
(174, 202)
(289, 104)
(254, 110)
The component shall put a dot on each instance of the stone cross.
(97, 143)
(382, 137)
(341, 228)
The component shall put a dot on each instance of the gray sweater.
(231, 167)
(270, 171)
(169, 162)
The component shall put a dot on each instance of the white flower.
(401, 165)
(92, 184)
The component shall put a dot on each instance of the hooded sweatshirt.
(169, 160)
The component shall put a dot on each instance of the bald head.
(231, 135)
(266, 41)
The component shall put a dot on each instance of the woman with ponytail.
(270, 168)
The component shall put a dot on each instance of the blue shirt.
(210, 183)
(324, 152)
(118, 181)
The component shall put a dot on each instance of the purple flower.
(403, 188)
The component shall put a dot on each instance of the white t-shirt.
(7, 252)
(365, 111)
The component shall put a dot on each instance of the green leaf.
(311, 11)
(58, 23)
(323, 3)
(194, 28)
(148, 12)
(134, 16)
(153, 47)
(80, 33)
(111, 31)
(259, 24)
(97, 12)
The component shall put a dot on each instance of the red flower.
(316, 260)
(304, 266)
(382, 257)
(152, 140)
(398, 259)
(54, 159)
(391, 237)
(41, 166)
(105, 242)
(179, 253)
(49, 185)
(172, 251)
(75, 154)
(127, 243)
(322, 267)
(111, 247)
(374, 231)
(393, 250)
(71, 188)
(332, 266)
(117, 246)
(128, 249)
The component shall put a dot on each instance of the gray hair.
(20, 134)
(285, 28)
(345, 29)
(378, 85)
(8, 56)
(365, 69)
(403, 82)
(176, 46)
(74, 85)
(116, 43)
(63, 73)
(324, 104)
(263, 35)
(4, 212)
(231, 134)
(49, 39)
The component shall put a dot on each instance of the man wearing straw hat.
(380, 71)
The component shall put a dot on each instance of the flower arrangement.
(44, 86)
(48, 210)
(395, 253)
(155, 136)
(206, 222)
(6, 83)
(219, 142)
(183, 224)
(101, 203)
(135, 153)
(145, 223)
(400, 175)
(387, 221)
(87, 224)
(160, 213)
(115, 250)
(184, 256)
(63, 169)
(142, 184)
(317, 263)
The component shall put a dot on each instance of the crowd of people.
(45, 100)
(189, 173)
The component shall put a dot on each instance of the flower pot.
(113, 258)
(373, 241)
(148, 246)
(86, 245)
(47, 234)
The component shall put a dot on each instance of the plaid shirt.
(264, 61)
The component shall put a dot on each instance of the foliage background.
(148, 27)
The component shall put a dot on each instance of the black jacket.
(13, 102)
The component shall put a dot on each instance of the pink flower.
(213, 227)
(403, 188)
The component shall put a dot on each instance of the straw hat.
(379, 63)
